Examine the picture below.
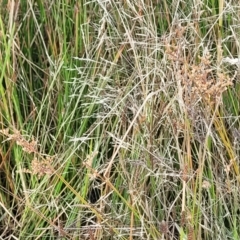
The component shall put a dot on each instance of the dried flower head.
(200, 84)
(40, 167)
(27, 146)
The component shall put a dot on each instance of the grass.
(119, 120)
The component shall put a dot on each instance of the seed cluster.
(200, 80)
(201, 84)
(40, 166)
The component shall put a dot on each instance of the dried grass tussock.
(119, 120)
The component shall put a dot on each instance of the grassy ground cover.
(119, 119)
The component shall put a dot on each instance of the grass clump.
(119, 120)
